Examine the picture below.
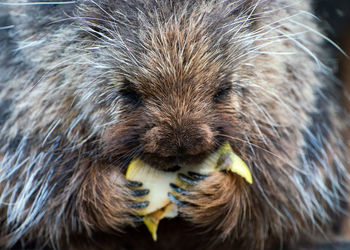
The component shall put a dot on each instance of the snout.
(185, 143)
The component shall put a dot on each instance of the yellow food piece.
(229, 161)
(152, 220)
(158, 182)
(155, 180)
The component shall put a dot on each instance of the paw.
(216, 201)
(184, 188)
(138, 199)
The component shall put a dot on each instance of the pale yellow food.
(152, 220)
(158, 182)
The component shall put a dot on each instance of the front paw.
(183, 190)
(138, 199)
(214, 202)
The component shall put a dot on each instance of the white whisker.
(37, 3)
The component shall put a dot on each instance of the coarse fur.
(88, 85)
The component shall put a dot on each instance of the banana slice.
(158, 182)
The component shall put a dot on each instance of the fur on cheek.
(217, 203)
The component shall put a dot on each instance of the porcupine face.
(177, 98)
(177, 116)
(187, 76)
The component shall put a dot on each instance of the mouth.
(160, 184)
(171, 163)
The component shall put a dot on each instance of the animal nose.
(186, 143)
(189, 141)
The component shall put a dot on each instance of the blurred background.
(335, 18)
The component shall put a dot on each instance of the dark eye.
(222, 93)
(129, 95)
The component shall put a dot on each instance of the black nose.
(190, 140)
(186, 143)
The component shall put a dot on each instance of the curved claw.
(133, 183)
(174, 200)
(178, 189)
(187, 179)
(136, 218)
(197, 176)
(140, 205)
(139, 192)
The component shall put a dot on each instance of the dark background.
(335, 15)
(335, 19)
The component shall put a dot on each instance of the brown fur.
(169, 82)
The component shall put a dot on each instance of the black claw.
(139, 205)
(133, 183)
(174, 200)
(178, 189)
(197, 176)
(136, 218)
(140, 192)
(187, 179)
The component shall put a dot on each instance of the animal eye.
(130, 96)
(222, 93)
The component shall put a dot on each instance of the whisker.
(7, 27)
(321, 35)
(38, 3)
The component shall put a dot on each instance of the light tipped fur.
(88, 85)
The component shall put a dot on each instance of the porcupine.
(88, 85)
